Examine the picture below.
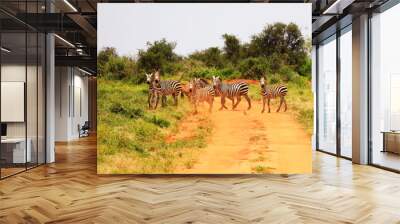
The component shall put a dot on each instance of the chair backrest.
(86, 125)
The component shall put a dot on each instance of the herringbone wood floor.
(69, 191)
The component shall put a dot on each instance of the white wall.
(71, 87)
(62, 82)
(12, 73)
(80, 89)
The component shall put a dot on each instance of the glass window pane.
(385, 90)
(31, 97)
(346, 94)
(41, 98)
(327, 96)
(14, 153)
(23, 87)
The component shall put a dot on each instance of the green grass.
(299, 100)
(132, 139)
(255, 92)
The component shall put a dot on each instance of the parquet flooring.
(70, 191)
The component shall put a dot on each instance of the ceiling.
(75, 21)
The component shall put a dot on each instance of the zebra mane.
(204, 81)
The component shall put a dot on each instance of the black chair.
(84, 130)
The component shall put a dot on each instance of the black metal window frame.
(381, 9)
(339, 32)
(387, 5)
(30, 29)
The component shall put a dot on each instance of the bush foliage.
(279, 52)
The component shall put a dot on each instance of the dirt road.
(251, 142)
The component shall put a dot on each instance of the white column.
(62, 103)
(50, 99)
(314, 90)
(360, 90)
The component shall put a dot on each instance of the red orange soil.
(251, 142)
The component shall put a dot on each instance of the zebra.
(152, 93)
(201, 83)
(201, 93)
(164, 88)
(186, 90)
(272, 92)
(231, 91)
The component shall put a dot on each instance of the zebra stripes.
(272, 92)
(201, 93)
(200, 90)
(162, 88)
(168, 87)
(152, 93)
(231, 91)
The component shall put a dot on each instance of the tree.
(231, 48)
(115, 68)
(270, 40)
(103, 57)
(254, 68)
(211, 57)
(157, 55)
(295, 44)
(282, 40)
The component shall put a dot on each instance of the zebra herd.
(200, 90)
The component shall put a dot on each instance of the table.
(13, 150)
(391, 141)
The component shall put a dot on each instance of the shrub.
(139, 149)
(254, 68)
(120, 68)
(208, 73)
(157, 55)
(304, 69)
(114, 68)
(162, 123)
(287, 74)
(301, 82)
(211, 57)
(138, 77)
(104, 55)
(133, 113)
(116, 108)
(274, 79)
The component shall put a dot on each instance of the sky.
(128, 27)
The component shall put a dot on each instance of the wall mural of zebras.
(188, 91)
